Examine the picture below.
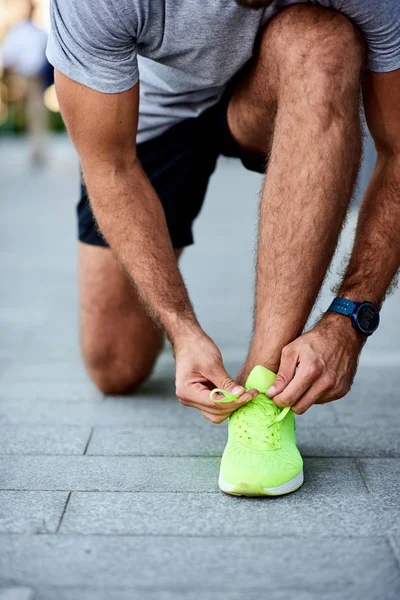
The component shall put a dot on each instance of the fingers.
(216, 415)
(199, 370)
(225, 409)
(246, 397)
(318, 392)
(287, 370)
(326, 364)
(214, 410)
(305, 376)
(221, 379)
(309, 386)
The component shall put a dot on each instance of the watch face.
(367, 318)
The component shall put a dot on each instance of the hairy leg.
(300, 105)
(119, 340)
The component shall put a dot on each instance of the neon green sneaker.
(261, 457)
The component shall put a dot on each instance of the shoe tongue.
(260, 378)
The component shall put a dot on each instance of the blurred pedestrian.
(24, 56)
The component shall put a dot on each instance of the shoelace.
(266, 409)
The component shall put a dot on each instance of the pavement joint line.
(363, 475)
(144, 589)
(63, 512)
(133, 427)
(137, 492)
(203, 456)
(168, 588)
(288, 536)
(194, 426)
(88, 442)
(198, 427)
(97, 491)
(393, 548)
(21, 454)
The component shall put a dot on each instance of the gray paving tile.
(126, 411)
(141, 594)
(14, 335)
(108, 473)
(41, 439)
(175, 594)
(63, 390)
(348, 441)
(195, 441)
(155, 474)
(43, 371)
(14, 338)
(319, 415)
(395, 544)
(355, 568)
(373, 399)
(36, 316)
(44, 388)
(159, 441)
(17, 593)
(141, 409)
(383, 477)
(31, 512)
(301, 514)
(4, 365)
(62, 350)
(190, 594)
(49, 412)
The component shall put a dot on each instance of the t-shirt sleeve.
(90, 44)
(379, 22)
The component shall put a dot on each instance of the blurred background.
(86, 471)
(28, 103)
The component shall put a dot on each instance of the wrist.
(341, 325)
(183, 332)
(359, 294)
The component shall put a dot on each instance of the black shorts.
(179, 164)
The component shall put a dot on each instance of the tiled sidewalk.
(117, 498)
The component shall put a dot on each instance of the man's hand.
(326, 357)
(200, 369)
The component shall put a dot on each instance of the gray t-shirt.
(185, 51)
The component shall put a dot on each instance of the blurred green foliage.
(16, 120)
(13, 109)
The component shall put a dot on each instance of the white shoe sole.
(244, 488)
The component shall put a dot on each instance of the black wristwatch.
(364, 315)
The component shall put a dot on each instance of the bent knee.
(111, 382)
(306, 37)
(116, 374)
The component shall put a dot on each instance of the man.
(282, 82)
(24, 54)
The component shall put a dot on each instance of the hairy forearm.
(132, 220)
(103, 129)
(376, 254)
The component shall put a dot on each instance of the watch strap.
(342, 306)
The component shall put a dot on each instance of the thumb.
(222, 381)
(287, 370)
